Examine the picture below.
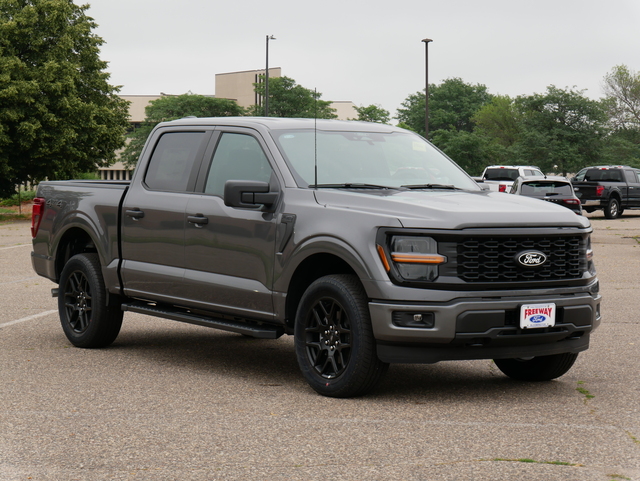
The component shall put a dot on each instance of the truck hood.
(452, 209)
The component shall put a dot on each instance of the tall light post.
(426, 89)
(266, 79)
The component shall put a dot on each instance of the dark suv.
(556, 190)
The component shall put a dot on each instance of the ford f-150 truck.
(361, 240)
(610, 188)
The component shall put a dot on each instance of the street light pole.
(266, 79)
(426, 89)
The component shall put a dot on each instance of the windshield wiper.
(432, 186)
(352, 185)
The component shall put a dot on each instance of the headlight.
(415, 258)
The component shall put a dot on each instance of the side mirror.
(248, 194)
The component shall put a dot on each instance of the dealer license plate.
(533, 316)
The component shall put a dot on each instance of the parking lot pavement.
(170, 401)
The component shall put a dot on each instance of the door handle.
(199, 220)
(135, 213)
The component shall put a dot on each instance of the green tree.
(373, 113)
(59, 116)
(469, 150)
(171, 108)
(622, 147)
(499, 120)
(288, 99)
(562, 130)
(452, 105)
(622, 89)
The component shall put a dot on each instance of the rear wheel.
(334, 341)
(543, 368)
(612, 210)
(86, 318)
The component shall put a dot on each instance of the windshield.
(353, 159)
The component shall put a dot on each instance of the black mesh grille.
(493, 259)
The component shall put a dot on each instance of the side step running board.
(175, 314)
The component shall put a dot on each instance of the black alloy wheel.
(77, 302)
(87, 319)
(328, 338)
(334, 340)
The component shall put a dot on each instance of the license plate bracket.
(537, 316)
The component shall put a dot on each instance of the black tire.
(86, 319)
(334, 341)
(612, 210)
(543, 368)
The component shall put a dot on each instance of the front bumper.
(484, 328)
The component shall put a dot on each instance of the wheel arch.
(314, 259)
(75, 240)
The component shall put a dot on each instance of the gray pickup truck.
(363, 241)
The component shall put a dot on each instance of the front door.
(229, 252)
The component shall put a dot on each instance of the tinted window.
(172, 161)
(545, 188)
(631, 176)
(501, 174)
(237, 157)
(603, 175)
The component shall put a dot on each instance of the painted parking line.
(20, 280)
(28, 318)
(13, 247)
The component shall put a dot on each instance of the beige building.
(137, 115)
(236, 86)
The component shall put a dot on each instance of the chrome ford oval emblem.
(531, 258)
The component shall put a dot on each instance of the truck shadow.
(273, 363)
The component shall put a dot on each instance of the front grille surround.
(494, 259)
(487, 258)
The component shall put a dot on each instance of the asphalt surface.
(169, 401)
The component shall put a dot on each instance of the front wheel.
(612, 210)
(86, 319)
(543, 368)
(334, 341)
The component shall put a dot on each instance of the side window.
(580, 176)
(172, 161)
(631, 176)
(237, 157)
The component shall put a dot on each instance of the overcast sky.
(368, 51)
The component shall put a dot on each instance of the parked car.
(499, 178)
(557, 190)
(612, 188)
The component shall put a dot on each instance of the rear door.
(633, 181)
(154, 215)
(230, 252)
